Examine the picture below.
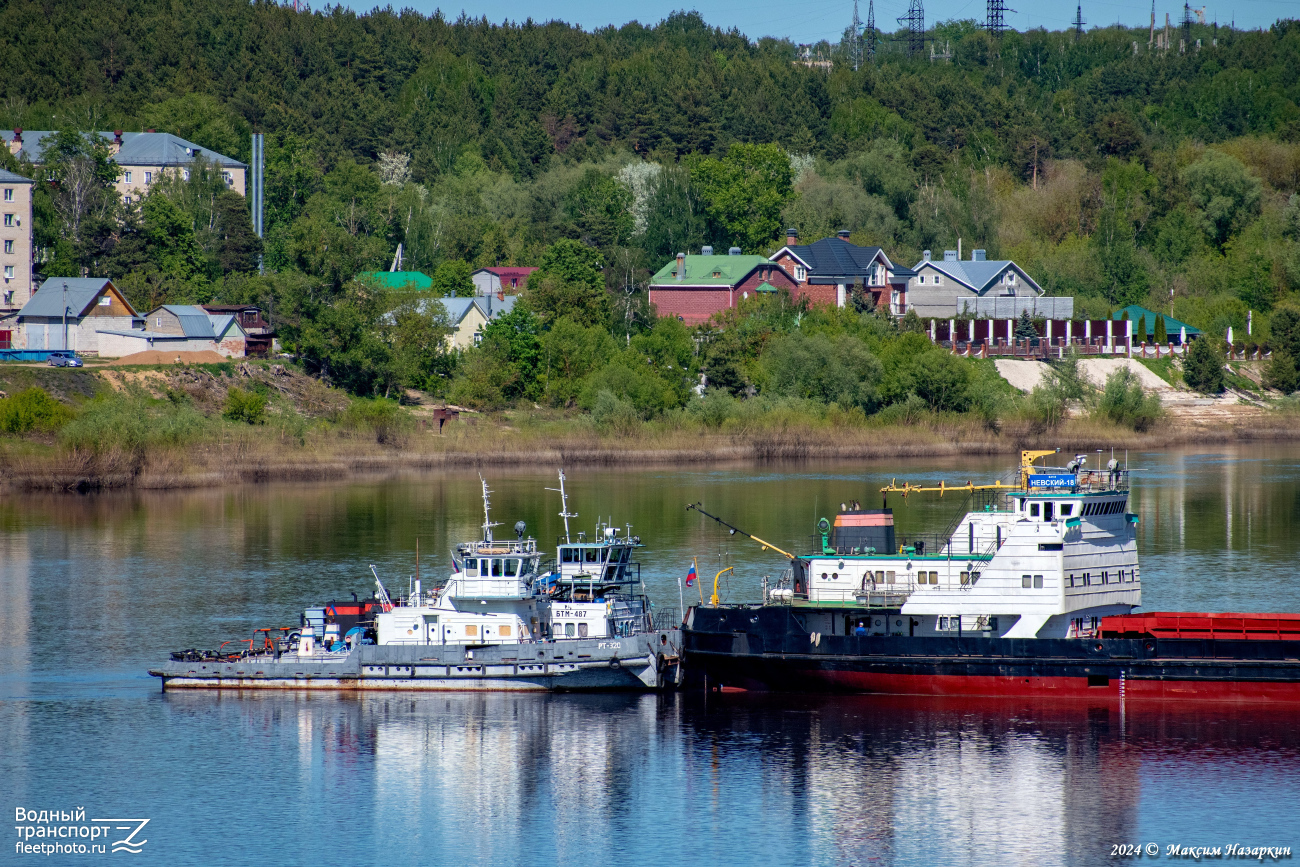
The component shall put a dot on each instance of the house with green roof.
(1173, 328)
(398, 281)
(693, 288)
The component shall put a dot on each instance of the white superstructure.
(1048, 559)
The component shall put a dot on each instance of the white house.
(71, 313)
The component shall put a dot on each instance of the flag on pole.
(690, 576)
(455, 567)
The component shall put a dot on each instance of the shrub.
(715, 408)
(1280, 373)
(33, 409)
(383, 417)
(830, 370)
(246, 406)
(611, 413)
(1124, 401)
(1203, 366)
(132, 423)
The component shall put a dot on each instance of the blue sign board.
(1053, 480)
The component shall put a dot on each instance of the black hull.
(767, 649)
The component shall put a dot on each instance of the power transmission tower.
(855, 38)
(996, 15)
(871, 31)
(1187, 24)
(1078, 23)
(914, 21)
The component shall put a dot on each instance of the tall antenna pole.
(564, 506)
(996, 18)
(487, 517)
(1187, 24)
(257, 185)
(855, 43)
(1151, 40)
(871, 31)
(1078, 23)
(914, 21)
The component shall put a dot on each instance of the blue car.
(64, 359)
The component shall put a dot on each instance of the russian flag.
(690, 576)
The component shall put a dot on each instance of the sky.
(806, 21)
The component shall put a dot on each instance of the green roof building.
(693, 288)
(398, 281)
(1173, 328)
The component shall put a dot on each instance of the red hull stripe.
(979, 685)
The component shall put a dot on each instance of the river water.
(94, 589)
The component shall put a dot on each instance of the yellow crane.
(1027, 458)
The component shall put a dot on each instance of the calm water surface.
(95, 589)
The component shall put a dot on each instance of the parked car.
(64, 359)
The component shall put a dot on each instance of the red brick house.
(826, 271)
(693, 288)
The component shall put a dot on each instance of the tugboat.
(1029, 593)
(499, 622)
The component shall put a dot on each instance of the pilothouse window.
(593, 555)
(512, 568)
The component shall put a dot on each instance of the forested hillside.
(1111, 170)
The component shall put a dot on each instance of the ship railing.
(1086, 481)
(667, 618)
(498, 546)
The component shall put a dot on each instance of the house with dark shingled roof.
(827, 271)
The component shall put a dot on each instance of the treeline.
(1111, 173)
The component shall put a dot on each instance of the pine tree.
(1203, 365)
(1025, 329)
(1140, 330)
(1162, 336)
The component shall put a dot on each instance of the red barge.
(1032, 592)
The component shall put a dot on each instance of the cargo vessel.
(501, 621)
(1031, 591)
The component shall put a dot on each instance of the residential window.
(9, 219)
(1011, 278)
(9, 272)
(921, 280)
(9, 194)
(148, 177)
(800, 273)
(9, 246)
(186, 174)
(127, 177)
(126, 200)
(938, 279)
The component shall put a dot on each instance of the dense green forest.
(1111, 170)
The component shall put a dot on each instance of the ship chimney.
(681, 267)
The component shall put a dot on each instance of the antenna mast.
(855, 43)
(914, 21)
(871, 31)
(564, 506)
(996, 22)
(487, 519)
(1078, 23)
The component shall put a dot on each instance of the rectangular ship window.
(1033, 510)
(503, 631)
(934, 577)
(1026, 581)
(965, 578)
(889, 577)
(1067, 509)
(1038, 582)
(471, 568)
(1050, 546)
(471, 629)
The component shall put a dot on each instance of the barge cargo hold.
(1030, 593)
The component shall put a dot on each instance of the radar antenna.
(564, 507)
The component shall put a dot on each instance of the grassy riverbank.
(237, 423)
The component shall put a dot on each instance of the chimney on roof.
(17, 144)
(926, 255)
(706, 250)
(151, 130)
(501, 294)
(792, 237)
(842, 233)
(681, 267)
(117, 141)
(950, 255)
(733, 251)
(978, 256)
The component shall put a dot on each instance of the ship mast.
(564, 507)
(487, 518)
